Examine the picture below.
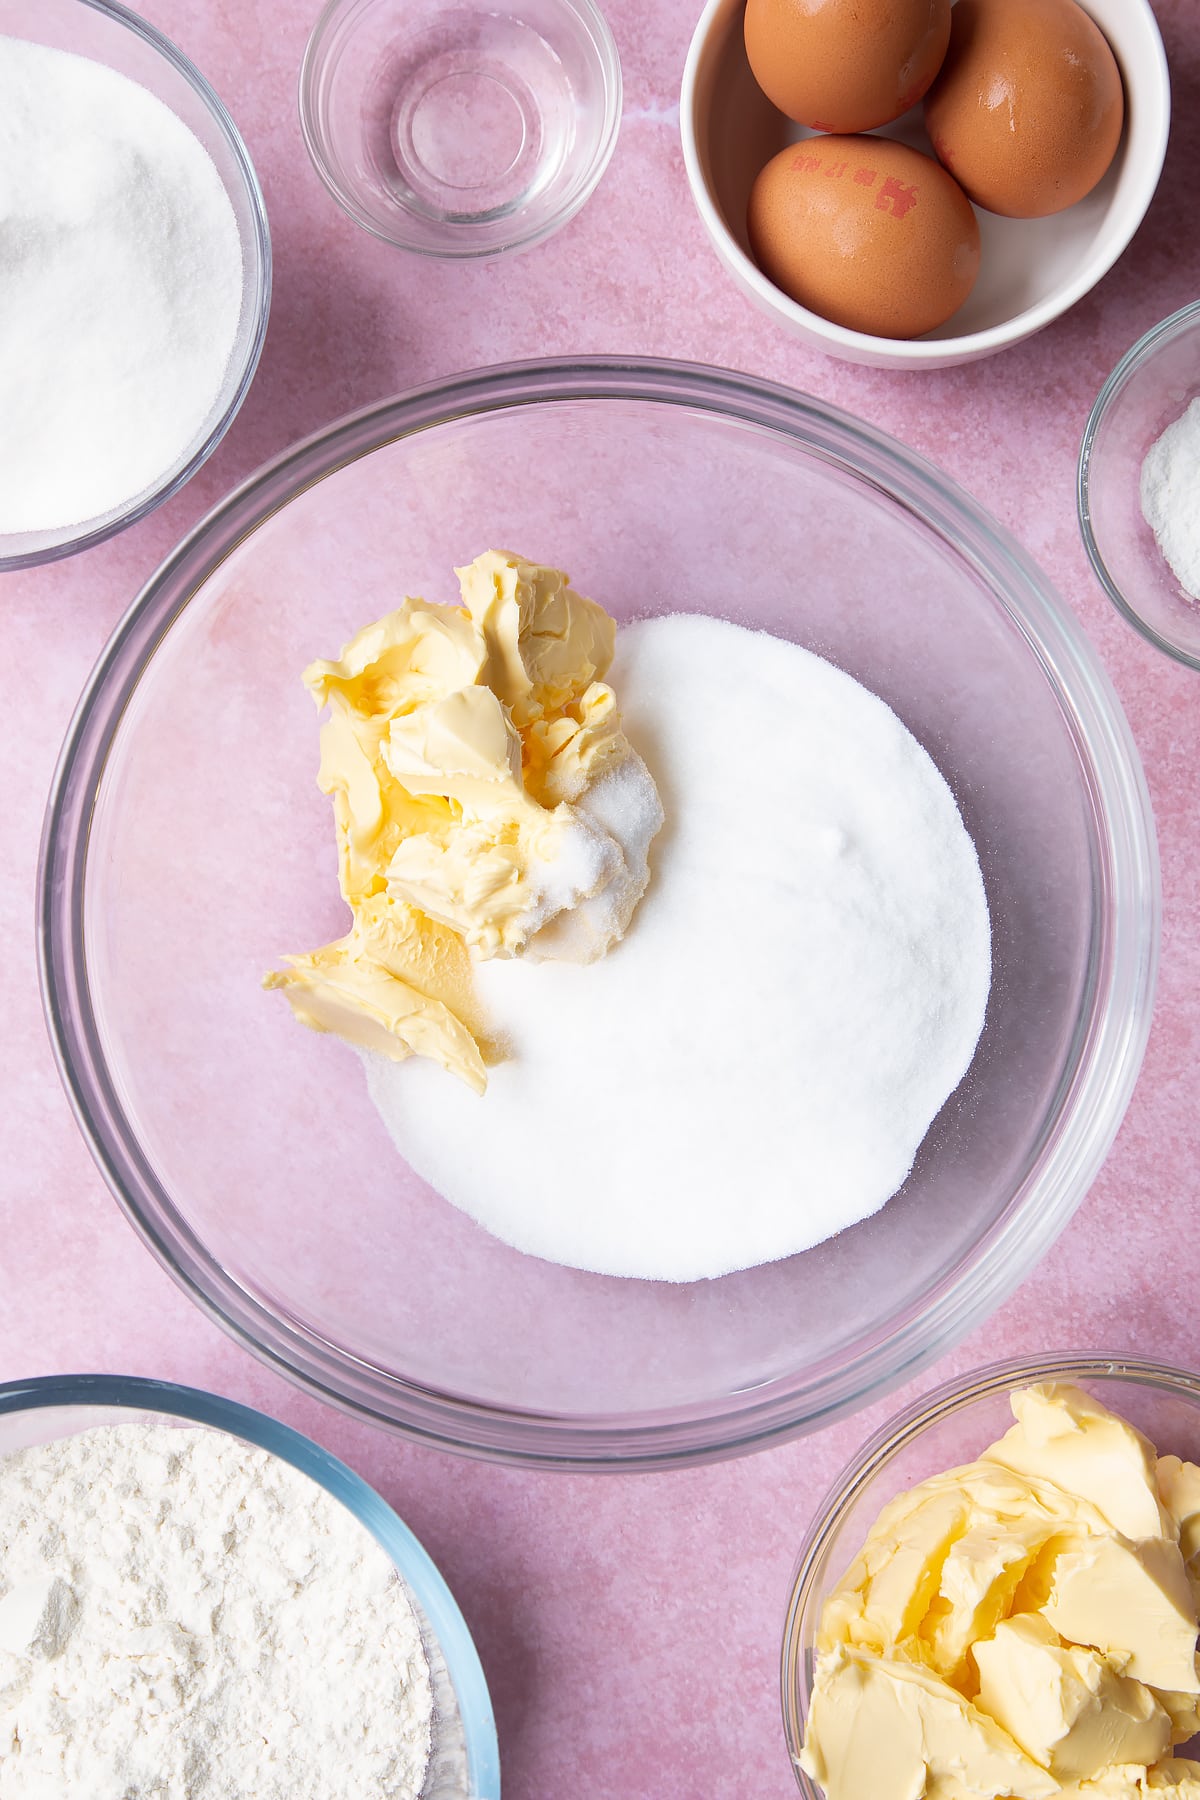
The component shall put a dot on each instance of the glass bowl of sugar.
(256, 1158)
(1139, 486)
(286, 1632)
(135, 264)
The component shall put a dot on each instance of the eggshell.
(845, 65)
(1028, 108)
(865, 232)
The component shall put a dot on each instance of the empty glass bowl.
(460, 129)
(941, 1431)
(187, 845)
(1149, 389)
(107, 33)
(464, 1762)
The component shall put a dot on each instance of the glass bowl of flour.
(194, 1594)
(135, 274)
(1139, 486)
(367, 1241)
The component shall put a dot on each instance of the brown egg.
(845, 65)
(1027, 110)
(865, 232)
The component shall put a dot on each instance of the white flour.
(1171, 497)
(185, 1617)
(755, 1065)
(120, 288)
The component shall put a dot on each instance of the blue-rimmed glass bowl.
(464, 1762)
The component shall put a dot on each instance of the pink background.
(629, 1626)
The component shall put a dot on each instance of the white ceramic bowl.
(1032, 269)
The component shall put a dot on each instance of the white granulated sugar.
(1171, 497)
(186, 1617)
(120, 288)
(754, 1066)
(605, 868)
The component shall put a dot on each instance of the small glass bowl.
(107, 33)
(1147, 391)
(464, 1760)
(460, 130)
(940, 1431)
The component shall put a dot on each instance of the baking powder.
(1171, 497)
(186, 1617)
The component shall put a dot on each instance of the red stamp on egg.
(896, 197)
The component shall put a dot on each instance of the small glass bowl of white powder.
(193, 1593)
(135, 274)
(1139, 486)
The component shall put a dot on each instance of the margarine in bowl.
(1022, 1626)
(486, 802)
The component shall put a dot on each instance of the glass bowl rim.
(259, 275)
(1108, 1053)
(198, 1406)
(312, 64)
(1166, 331)
(897, 1434)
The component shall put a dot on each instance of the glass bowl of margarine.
(1060, 1439)
(187, 846)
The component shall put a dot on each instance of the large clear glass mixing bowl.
(187, 845)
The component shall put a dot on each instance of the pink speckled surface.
(629, 1626)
